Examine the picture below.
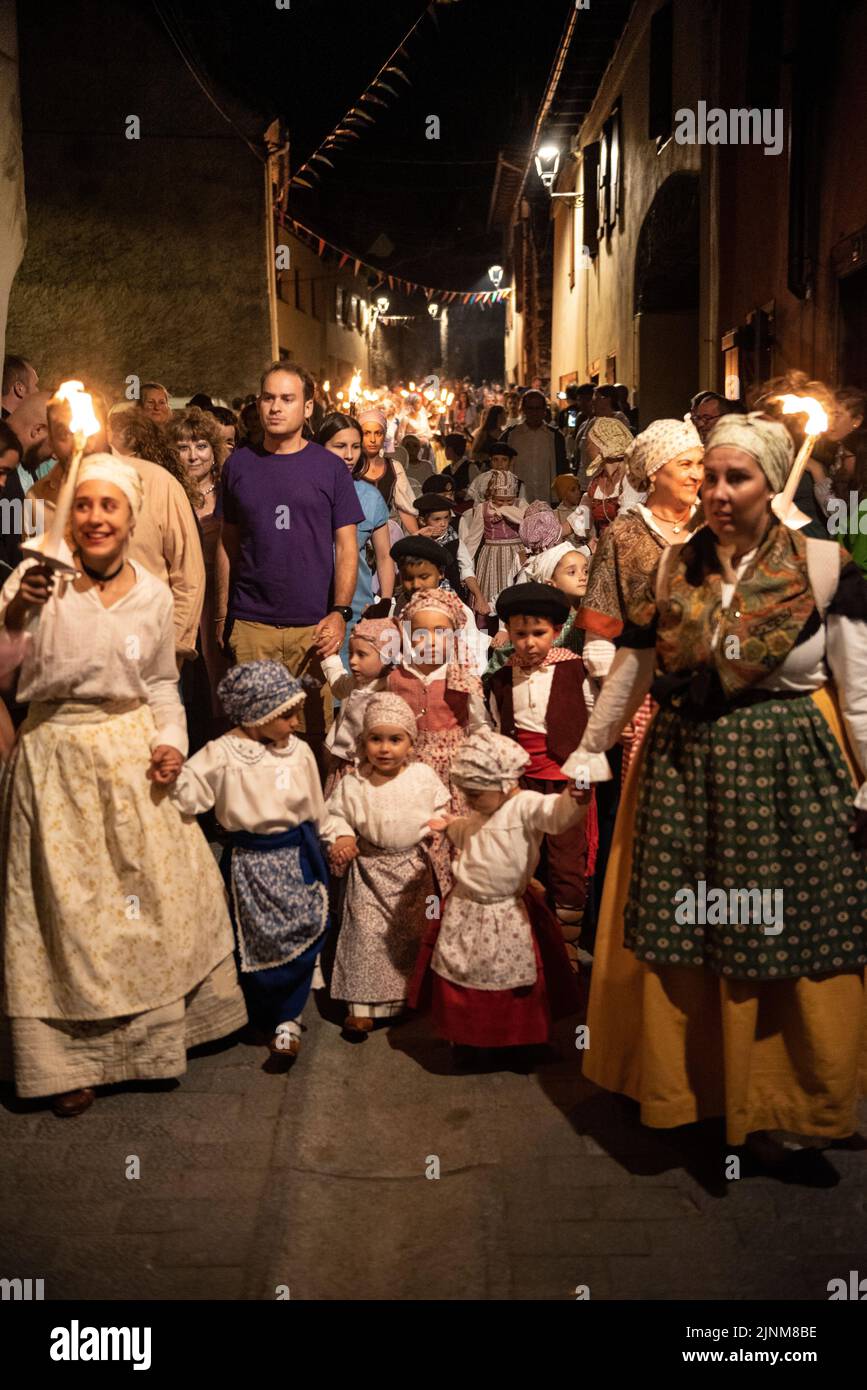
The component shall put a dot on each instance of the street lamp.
(433, 310)
(382, 304)
(495, 274)
(547, 167)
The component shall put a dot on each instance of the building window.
(591, 197)
(299, 301)
(338, 303)
(610, 198)
(764, 54)
(285, 355)
(611, 368)
(660, 101)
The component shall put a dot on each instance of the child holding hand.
(379, 818)
(495, 970)
(263, 783)
(373, 646)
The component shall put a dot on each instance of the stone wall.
(144, 256)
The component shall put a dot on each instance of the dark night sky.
(481, 68)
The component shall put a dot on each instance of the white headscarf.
(662, 441)
(108, 469)
(540, 568)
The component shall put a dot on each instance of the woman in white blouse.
(117, 946)
(729, 974)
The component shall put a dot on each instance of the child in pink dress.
(436, 677)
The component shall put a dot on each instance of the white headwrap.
(488, 762)
(540, 568)
(109, 469)
(662, 441)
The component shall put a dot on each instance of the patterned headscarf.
(502, 484)
(540, 529)
(381, 633)
(767, 441)
(257, 691)
(662, 441)
(373, 412)
(460, 672)
(488, 762)
(611, 437)
(389, 709)
(540, 568)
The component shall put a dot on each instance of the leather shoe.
(73, 1102)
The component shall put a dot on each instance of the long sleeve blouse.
(79, 650)
(253, 787)
(393, 815)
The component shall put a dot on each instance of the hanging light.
(547, 164)
(382, 304)
(433, 310)
(495, 275)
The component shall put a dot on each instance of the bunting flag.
(371, 97)
(321, 245)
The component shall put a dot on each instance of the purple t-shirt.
(287, 507)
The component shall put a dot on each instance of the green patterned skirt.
(761, 800)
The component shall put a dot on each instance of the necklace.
(101, 578)
(676, 526)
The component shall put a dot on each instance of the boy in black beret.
(435, 512)
(541, 699)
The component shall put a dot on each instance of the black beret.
(501, 448)
(420, 548)
(433, 502)
(536, 600)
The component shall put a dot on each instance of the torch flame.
(817, 420)
(82, 419)
(355, 387)
(450, 398)
(326, 387)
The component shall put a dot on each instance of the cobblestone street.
(316, 1181)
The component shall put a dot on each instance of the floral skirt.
(390, 896)
(687, 1044)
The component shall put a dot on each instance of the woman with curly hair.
(196, 436)
(135, 435)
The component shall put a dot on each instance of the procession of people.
(480, 703)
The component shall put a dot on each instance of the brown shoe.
(357, 1023)
(73, 1102)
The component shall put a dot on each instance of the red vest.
(566, 715)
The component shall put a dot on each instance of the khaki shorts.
(294, 647)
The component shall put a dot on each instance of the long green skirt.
(759, 800)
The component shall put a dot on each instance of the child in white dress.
(264, 786)
(495, 970)
(378, 821)
(373, 645)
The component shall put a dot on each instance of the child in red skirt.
(495, 972)
(540, 699)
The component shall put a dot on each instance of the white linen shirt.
(79, 650)
(393, 815)
(253, 787)
(499, 853)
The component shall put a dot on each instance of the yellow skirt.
(688, 1045)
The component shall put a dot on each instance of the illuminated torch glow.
(783, 505)
(48, 548)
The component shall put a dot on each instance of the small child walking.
(373, 646)
(264, 786)
(379, 820)
(495, 970)
(541, 698)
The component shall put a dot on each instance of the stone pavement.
(316, 1181)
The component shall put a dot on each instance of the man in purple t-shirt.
(290, 511)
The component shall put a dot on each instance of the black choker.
(101, 578)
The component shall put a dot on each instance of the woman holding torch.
(729, 970)
(117, 947)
